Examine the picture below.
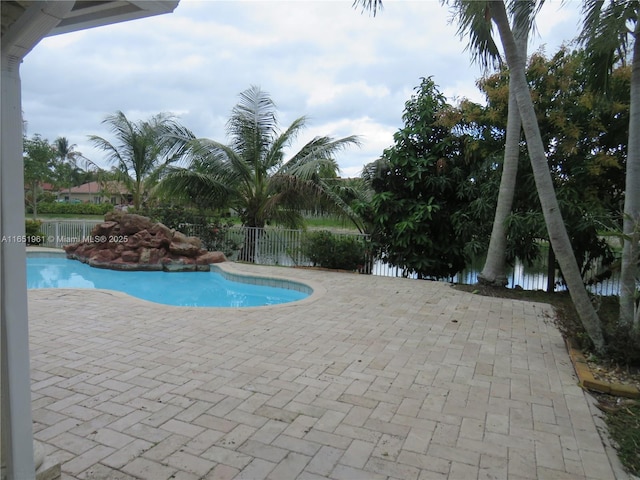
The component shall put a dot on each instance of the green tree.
(251, 174)
(39, 157)
(143, 150)
(611, 32)
(427, 206)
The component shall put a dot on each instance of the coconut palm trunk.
(629, 311)
(494, 271)
(553, 218)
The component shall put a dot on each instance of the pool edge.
(312, 289)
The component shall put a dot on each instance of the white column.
(17, 430)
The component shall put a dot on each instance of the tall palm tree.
(558, 236)
(66, 151)
(142, 151)
(66, 169)
(479, 13)
(494, 271)
(611, 31)
(251, 174)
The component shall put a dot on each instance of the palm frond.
(187, 185)
(371, 6)
(222, 159)
(606, 37)
(524, 13)
(113, 154)
(320, 148)
(275, 154)
(474, 25)
(253, 124)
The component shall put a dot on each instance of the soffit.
(88, 14)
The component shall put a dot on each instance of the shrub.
(73, 208)
(329, 250)
(32, 232)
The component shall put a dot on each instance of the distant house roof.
(96, 187)
(47, 187)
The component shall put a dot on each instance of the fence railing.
(279, 246)
(59, 233)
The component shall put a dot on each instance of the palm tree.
(251, 174)
(494, 271)
(609, 32)
(558, 236)
(143, 150)
(479, 14)
(66, 151)
(66, 169)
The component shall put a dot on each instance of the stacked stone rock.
(126, 241)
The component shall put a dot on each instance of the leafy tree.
(582, 134)
(428, 189)
(251, 174)
(39, 157)
(611, 33)
(143, 150)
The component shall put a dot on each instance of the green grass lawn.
(329, 223)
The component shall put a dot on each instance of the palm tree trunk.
(494, 271)
(544, 184)
(629, 312)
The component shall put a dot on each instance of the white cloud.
(350, 73)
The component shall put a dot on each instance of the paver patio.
(371, 378)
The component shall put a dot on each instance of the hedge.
(73, 208)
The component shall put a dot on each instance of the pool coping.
(313, 289)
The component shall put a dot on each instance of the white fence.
(279, 246)
(274, 246)
(59, 233)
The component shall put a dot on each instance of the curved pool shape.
(184, 289)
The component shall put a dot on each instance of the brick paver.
(372, 378)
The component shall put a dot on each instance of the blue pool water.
(193, 289)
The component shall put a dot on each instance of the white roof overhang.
(25, 23)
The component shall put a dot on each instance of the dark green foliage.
(430, 207)
(32, 232)
(38, 159)
(73, 208)
(329, 250)
(173, 217)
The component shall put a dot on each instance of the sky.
(350, 73)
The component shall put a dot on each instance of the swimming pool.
(184, 289)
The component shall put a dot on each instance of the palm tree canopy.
(250, 174)
(143, 148)
(607, 35)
